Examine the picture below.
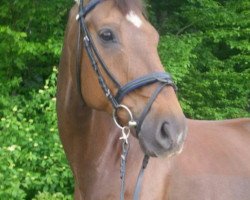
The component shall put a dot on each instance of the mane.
(124, 5)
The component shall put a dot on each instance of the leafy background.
(204, 44)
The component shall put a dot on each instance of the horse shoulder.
(228, 138)
(215, 162)
(231, 126)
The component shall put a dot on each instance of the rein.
(162, 78)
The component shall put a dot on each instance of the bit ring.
(131, 122)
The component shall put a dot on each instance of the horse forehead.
(131, 23)
(109, 9)
(106, 12)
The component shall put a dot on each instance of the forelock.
(126, 5)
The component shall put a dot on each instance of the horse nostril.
(164, 131)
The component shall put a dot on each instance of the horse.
(117, 106)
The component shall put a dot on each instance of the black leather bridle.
(162, 78)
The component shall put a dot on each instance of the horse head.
(127, 45)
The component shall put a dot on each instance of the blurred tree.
(31, 34)
(31, 156)
(205, 44)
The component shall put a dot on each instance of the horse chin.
(165, 148)
(157, 151)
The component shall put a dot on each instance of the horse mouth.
(150, 151)
(163, 148)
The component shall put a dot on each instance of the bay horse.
(110, 67)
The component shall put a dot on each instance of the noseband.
(162, 78)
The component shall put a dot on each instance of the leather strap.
(148, 107)
(85, 10)
(162, 77)
(140, 177)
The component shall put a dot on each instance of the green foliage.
(31, 149)
(33, 164)
(31, 34)
(177, 53)
(205, 44)
(48, 196)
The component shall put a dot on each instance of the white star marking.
(134, 19)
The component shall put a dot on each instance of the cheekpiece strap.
(85, 10)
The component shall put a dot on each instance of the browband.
(85, 10)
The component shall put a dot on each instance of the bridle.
(163, 78)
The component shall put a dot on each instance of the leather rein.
(163, 78)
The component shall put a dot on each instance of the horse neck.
(95, 128)
(90, 138)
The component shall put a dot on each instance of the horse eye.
(107, 36)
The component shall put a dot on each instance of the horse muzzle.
(162, 138)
